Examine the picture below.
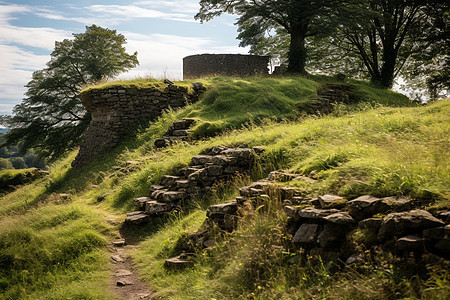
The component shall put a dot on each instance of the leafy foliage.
(51, 118)
(257, 18)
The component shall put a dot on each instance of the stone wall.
(196, 66)
(118, 111)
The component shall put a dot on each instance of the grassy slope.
(53, 247)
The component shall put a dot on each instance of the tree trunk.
(385, 78)
(297, 50)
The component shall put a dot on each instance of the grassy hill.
(55, 232)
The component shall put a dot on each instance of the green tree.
(385, 34)
(5, 164)
(51, 119)
(257, 18)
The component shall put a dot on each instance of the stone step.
(169, 180)
(137, 217)
(222, 209)
(179, 262)
(156, 208)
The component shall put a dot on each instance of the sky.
(161, 31)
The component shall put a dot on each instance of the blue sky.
(161, 31)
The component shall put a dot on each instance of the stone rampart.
(196, 66)
(118, 111)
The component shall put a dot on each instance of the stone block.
(156, 208)
(315, 213)
(222, 209)
(341, 218)
(137, 218)
(306, 235)
(411, 243)
(402, 223)
(172, 196)
(326, 200)
(363, 202)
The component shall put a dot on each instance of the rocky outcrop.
(218, 164)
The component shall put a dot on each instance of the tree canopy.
(51, 119)
(300, 19)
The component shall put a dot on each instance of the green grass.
(55, 247)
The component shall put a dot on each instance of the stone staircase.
(333, 93)
(178, 132)
(219, 163)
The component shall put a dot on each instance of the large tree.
(51, 119)
(386, 33)
(299, 18)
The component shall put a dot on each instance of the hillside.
(56, 232)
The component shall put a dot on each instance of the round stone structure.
(201, 65)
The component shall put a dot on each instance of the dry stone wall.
(196, 66)
(117, 111)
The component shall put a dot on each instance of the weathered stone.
(287, 192)
(169, 180)
(240, 200)
(291, 212)
(182, 184)
(326, 200)
(181, 132)
(402, 223)
(178, 262)
(214, 170)
(156, 187)
(331, 236)
(371, 224)
(230, 169)
(306, 234)
(354, 259)
(390, 204)
(124, 282)
(117, 258)
(172, 196)
(281, 176)
(155, 207)
(314, 213)
(141, 201)
(244, 153)
(103, 197)
(341, 218)
(363, 202)
(225, 160)
(118, 112)
(411, 243)
(443, 246)
(137, 218)
(119, 243)
(201, 159)
(221, 209)
(434, 233)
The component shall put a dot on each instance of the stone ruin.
(323, 224)
(178, 132)
(219, 163)
(197, 66)
(118, 111)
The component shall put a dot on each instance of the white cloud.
(16, 69)
(36, 37)
(186, 6)
(131, 12)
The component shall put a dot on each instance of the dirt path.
(124, 280)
